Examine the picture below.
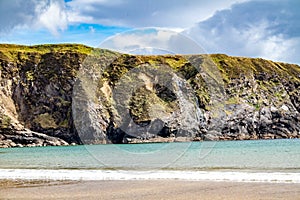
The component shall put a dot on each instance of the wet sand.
(154, 189)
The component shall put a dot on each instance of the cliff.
(64, 94)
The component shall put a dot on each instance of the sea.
(276, 161)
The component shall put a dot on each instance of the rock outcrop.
(73, 94)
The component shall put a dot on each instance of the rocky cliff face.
(63, 94)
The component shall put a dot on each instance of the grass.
(235, 67)
(11, 52)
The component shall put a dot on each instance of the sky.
(268, 29)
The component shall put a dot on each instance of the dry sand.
(144, 190)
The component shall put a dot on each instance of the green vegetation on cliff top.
(11, 51)
(234, 65)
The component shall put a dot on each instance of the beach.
(221, 170)
(150, 189)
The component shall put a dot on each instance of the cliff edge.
(73, 94)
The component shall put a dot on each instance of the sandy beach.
(155, 189)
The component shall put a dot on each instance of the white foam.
(43, 174)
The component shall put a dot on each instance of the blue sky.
(254, 28)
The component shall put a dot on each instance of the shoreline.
(4, 144)
(150, 189)
(237, 176)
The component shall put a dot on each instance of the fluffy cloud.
(145, 13)
(52, 16)
(268, 29)
(33, 14)
(10, 15)
(56, 15)
(152, 41)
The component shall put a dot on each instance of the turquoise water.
(260, 155)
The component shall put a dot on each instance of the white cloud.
(75, 17)
(267, 29)
(33, 14)
(151, 40)
(53, 17)
(145, 13)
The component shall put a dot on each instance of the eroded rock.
(54, 95)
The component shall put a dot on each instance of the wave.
(95, 175)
